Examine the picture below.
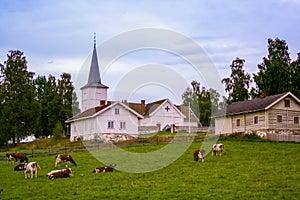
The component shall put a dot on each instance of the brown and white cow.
(217, 148)
(62, 173)
(30, 169)
(109, 168)
(15, 156)
(199, 153)
(66, 158)
(10, 159)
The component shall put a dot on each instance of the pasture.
(249, 169)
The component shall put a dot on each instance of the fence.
(96, 145)
(283, 137)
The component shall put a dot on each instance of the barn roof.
(253, 105)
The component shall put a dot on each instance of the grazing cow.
(62, 173)
(18, 155)
(20, 167)
(109, 168)
(217, 148)
(30, 169)
(64, 157)
(199, 153)
(10, 159)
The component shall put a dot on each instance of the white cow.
(217, 148)
(30, 169)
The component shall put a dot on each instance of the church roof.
(94, 74)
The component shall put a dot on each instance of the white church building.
(100, 117)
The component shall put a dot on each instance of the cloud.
(57, 36)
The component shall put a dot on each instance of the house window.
(238, 122)
(296, 120)
(286, 103)
(110, 124)
(256, 120)
(279, 118)
(117, 111)
(122, 125)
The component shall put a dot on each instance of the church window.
(110, 124)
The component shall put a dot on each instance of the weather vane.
(94, 38)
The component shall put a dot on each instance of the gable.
(163, 106)
(96, 111)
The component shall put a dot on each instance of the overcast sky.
(56, 36)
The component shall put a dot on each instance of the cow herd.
(200, 153)
(31, 168)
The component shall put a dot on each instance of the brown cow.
(199, 153)
(64, 157)
(18, 155)
(10, 159)
(63, 173)
(109, 168)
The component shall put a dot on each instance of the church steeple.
(94, 74)
(94, 91)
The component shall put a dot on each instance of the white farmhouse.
(100, 116)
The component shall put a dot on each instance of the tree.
(275, 72)
(65, 92)
(295, 65)
(18, 98)
(203, 102)
(238, 83)
(56, 100)
(75, 104)
(57, 131)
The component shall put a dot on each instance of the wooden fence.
(283, 137)
(96, 145)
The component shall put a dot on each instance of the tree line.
(276, 74)
(30, 105)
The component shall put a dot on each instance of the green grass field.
(248, 170)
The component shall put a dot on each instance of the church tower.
(94, 91)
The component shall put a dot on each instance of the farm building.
(280, 112)
(102, 117)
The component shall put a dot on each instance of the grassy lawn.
(248, 170)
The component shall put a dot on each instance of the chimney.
(102, 103)
(143, 107)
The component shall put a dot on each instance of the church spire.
(94, 79)
(94, 40)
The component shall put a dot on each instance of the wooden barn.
(280, 112)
